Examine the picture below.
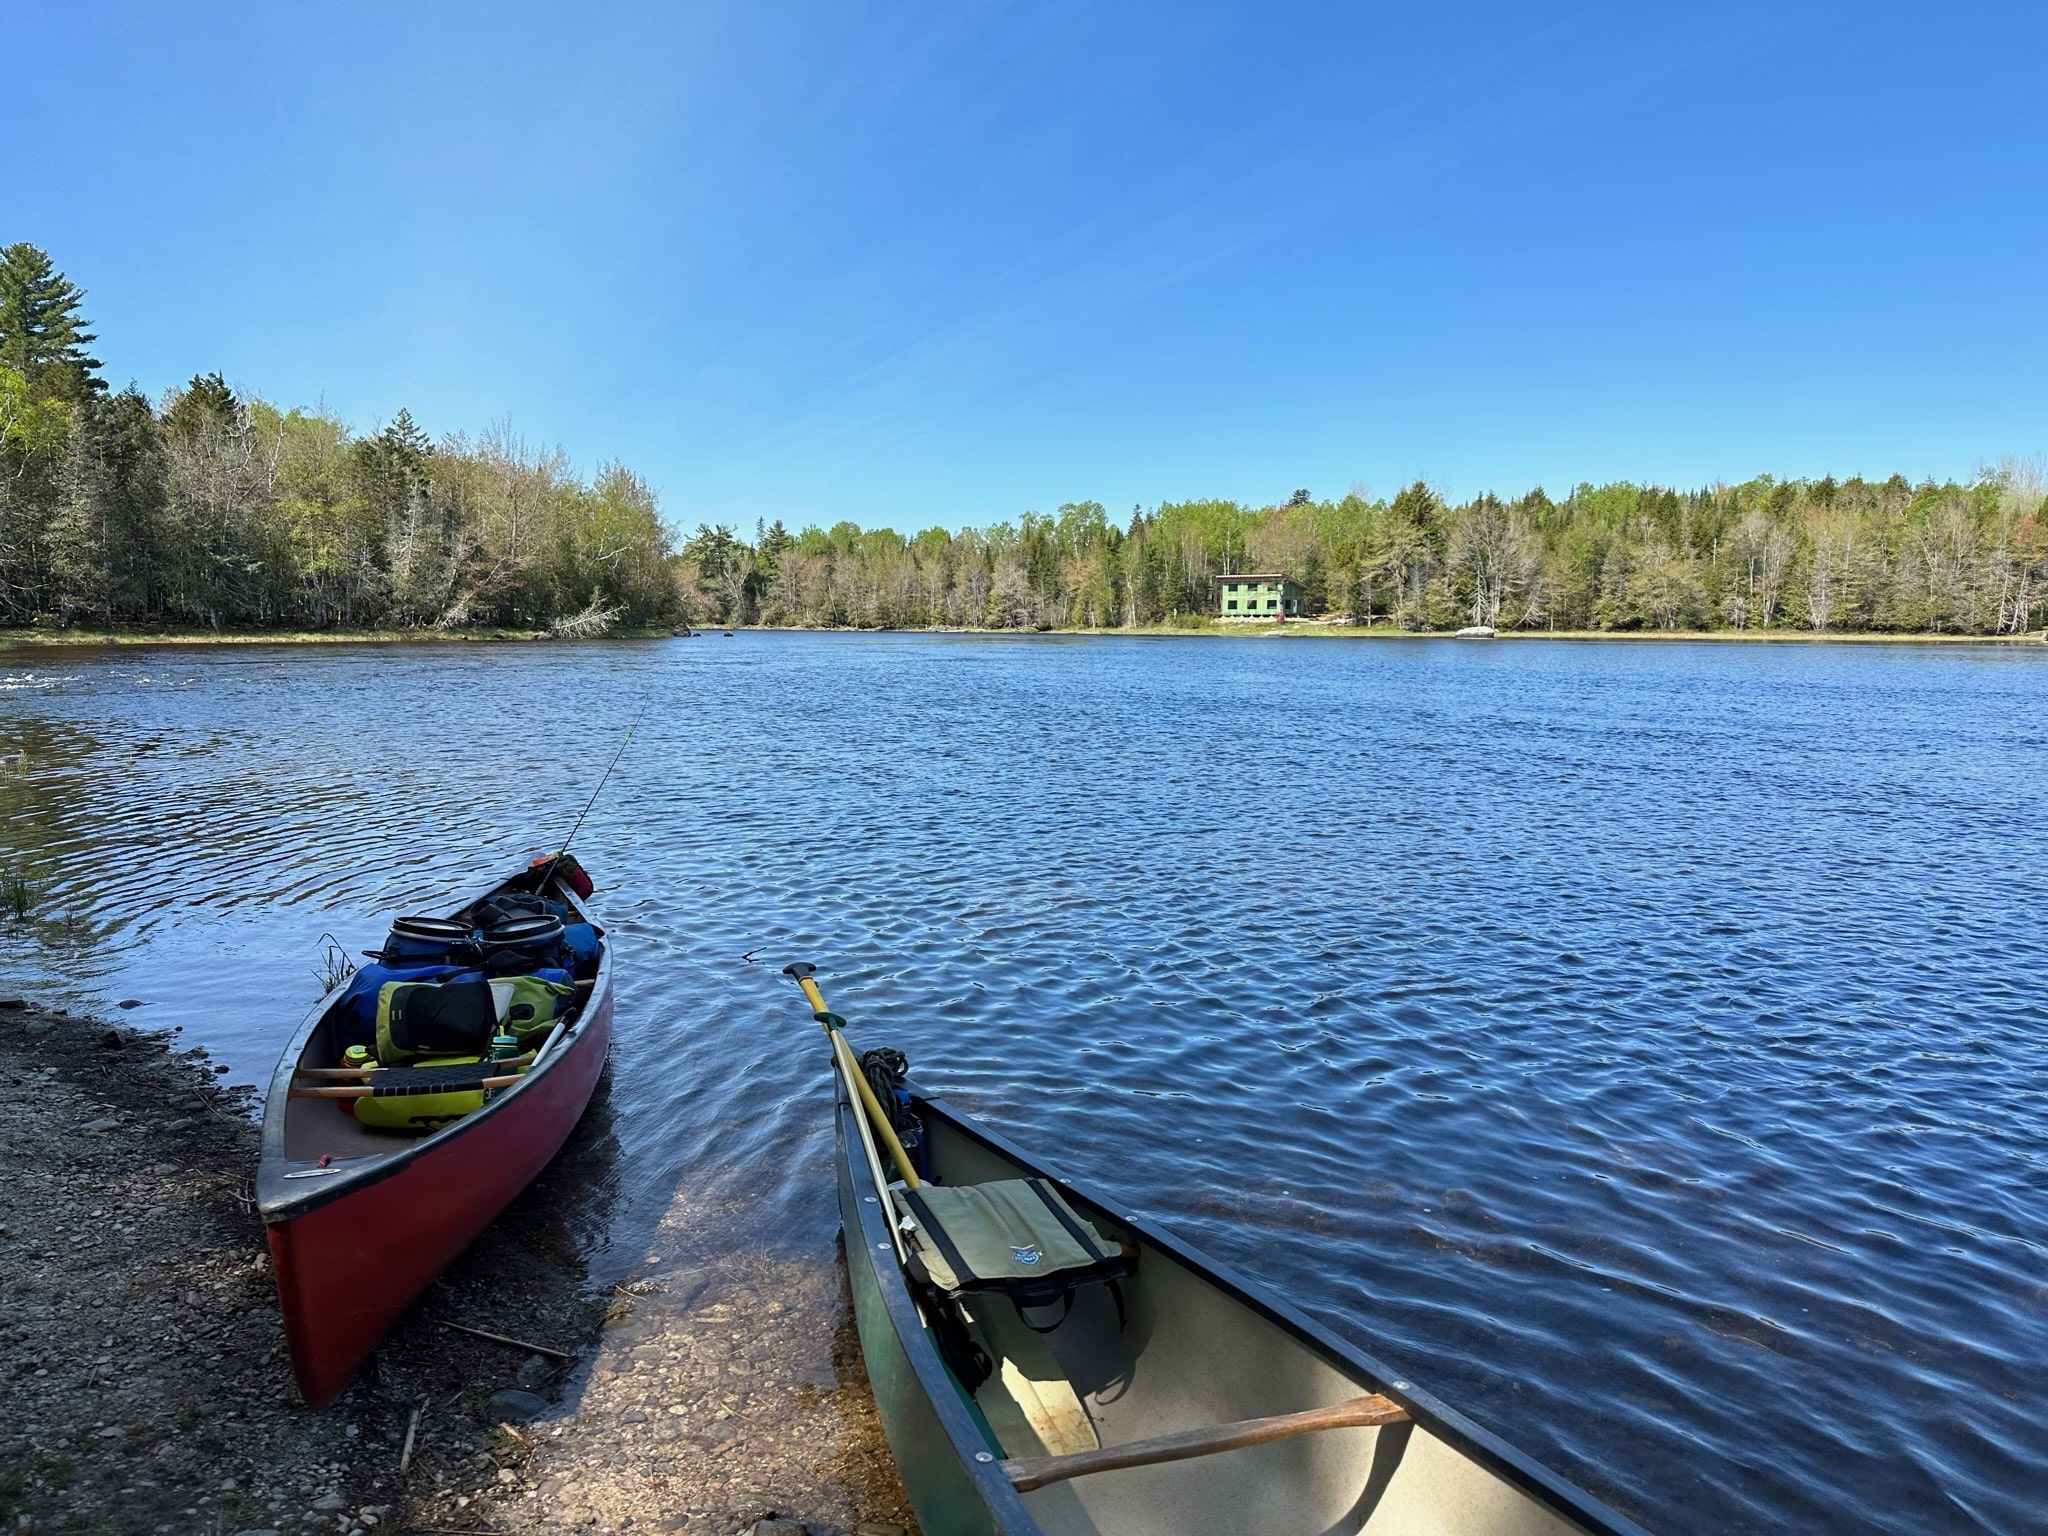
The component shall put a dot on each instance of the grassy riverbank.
(1732, 636)
(1313, 629)
(39, 639)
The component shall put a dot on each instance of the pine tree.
(42, 335)
(407, 444)
(205, 403)
(104, 537)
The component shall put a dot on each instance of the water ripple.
(1641, 1044)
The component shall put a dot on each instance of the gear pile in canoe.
(1048, 1364)
(418, 1098)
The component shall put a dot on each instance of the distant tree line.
(1819, 555)
(208, 509)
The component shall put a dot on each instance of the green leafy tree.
(34, 434)
(222, 508)
(724, 568)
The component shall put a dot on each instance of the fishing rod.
(563, 852)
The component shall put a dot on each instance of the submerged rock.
(515, 1407)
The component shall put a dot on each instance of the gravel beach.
(147, 1387)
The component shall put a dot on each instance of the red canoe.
(361, 1221)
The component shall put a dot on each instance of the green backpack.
(530, 1006)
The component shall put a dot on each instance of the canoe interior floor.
(1183, 1352)
(1029, 1398)
(316, 1128)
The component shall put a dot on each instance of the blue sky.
(942, 263)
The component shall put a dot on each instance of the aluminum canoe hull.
(1438, 1475)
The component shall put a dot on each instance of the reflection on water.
(1641, 1044)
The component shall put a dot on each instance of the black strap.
(415, 1088)
(968, 1361)
(962, 1274)
(1066, 1308)
(1052, 1203)
(455, 1077)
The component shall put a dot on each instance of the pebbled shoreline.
(147, 1391)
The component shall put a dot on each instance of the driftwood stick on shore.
(411, 1429)
(499, 1338)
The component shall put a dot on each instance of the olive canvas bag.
(1018, 1237)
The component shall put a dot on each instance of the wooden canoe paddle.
(1029, 1472)
(805, 976)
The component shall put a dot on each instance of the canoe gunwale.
(1004, 1504)
(279, 1202)
(1484, 1447)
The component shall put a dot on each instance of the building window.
(1272, 602)
(1232, 604)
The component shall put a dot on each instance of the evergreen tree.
(103, 536)
(404, 440)
(205, 403)
(42, 335)
(390, 468)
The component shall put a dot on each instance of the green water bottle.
(503, 1048)
(358, 1056)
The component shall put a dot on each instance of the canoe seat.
(1018, 1237)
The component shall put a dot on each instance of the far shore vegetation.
(209, 514)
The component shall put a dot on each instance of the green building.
(1258, 596)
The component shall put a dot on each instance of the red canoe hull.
(348, 1268)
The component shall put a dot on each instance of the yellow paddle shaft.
(843, 1054)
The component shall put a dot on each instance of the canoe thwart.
(411, 1085)
(1029, 1472)
(359, 1074)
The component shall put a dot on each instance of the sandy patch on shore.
(147, 1389)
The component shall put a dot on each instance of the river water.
(1641, 1045)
